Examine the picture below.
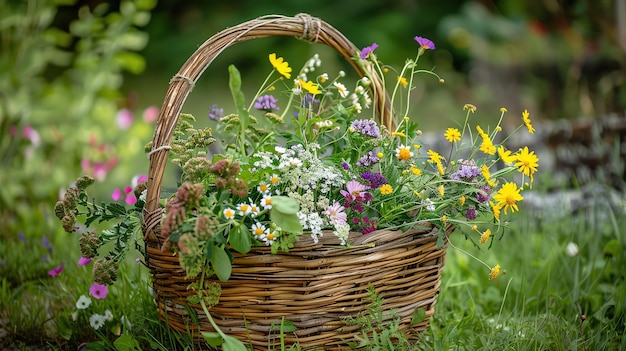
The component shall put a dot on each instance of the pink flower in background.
(124, 118)
(84, 261)
(116, 195)
(150, 114)
(98, 291)
(57, 270)
(31, 134)
(138, 179)
(130, 195)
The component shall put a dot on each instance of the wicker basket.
(314, 286)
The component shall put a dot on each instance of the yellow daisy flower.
(527, 162)
(508, 196)
(529, 125)
(505, 155)
(280, 65)
(403, 153)
(311, 87)
(386, 189)
(452, 135)
(495, 271)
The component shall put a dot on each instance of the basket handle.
(302, 26)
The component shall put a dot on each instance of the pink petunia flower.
(57, 270)
(84, 261)
(98, 291)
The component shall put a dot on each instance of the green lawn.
(546, 300)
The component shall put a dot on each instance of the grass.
(547, 300)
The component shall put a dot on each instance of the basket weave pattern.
(316, 286)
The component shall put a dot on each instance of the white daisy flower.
(83, 302)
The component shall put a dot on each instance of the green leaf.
(234, 82)
(212, 338)
(239, 239)
(418, 316)
(284, 214)
(232, 344)
(221, 263)
(612, 249)
(288, 327)
(126, 343)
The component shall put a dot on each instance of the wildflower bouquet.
(310, 161)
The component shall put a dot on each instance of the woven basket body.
(316, 286)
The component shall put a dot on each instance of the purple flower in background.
(426, 44)
(98, 291)
(56, 271)
(367, 51)
(266, 103)
(367, 127)
(84, 261)
(345, 165)
(46, 244)
(471, 214)
(22, 237)
(215, 112)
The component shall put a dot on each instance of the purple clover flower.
(483, 194)
(426, 44)
(471, 214)
(367, 127)
(367, 160)
(266, 103)
(215, 112)
(465, 173)
(367, 51)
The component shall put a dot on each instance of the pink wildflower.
(84, 261)
(99, 291)
(57, 270)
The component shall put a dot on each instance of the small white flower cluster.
(306, 179)
(310, 66)
(96, 320)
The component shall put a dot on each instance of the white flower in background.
(108, 315)
(97, 321)
(571, 249)
(83, 302)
